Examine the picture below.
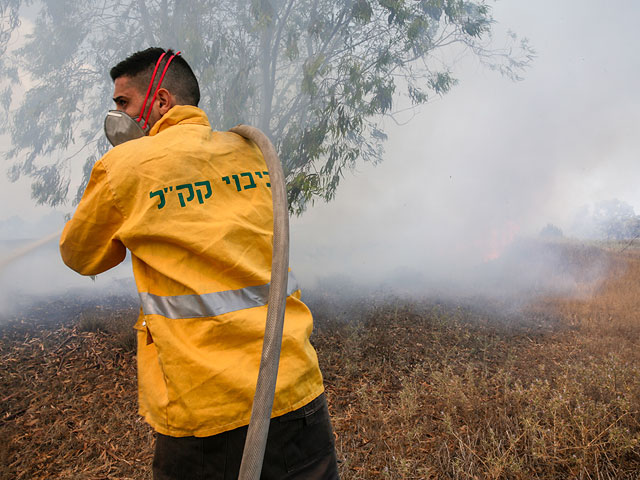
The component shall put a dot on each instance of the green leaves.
(416, 95)
(442, 82)
(476, 20)
(383, 98)
(317, 75)
(433, 8)
(310, 70)
(398, 12)
(417, 27)
(50, 186)
(362, 11)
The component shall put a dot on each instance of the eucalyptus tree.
(318, 76)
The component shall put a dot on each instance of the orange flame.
(499, 239)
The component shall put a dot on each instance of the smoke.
(40, 274)
(470, 177)
(490, 164)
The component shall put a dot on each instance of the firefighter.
(193, 207)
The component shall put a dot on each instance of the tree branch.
(144, 18)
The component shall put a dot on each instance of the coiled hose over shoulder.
(256, 441)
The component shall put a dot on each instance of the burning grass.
(417, 390)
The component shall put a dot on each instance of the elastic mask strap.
(155, 94)
(144, 104)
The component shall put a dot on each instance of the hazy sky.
(495, 158)
(492, 158)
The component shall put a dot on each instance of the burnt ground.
(417, 389)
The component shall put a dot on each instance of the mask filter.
(120, 127)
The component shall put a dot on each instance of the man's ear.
(165, 101)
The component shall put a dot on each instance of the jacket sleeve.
(89, 243)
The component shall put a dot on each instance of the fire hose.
(256, 441)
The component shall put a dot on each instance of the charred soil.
(416, 389)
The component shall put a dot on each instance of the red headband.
(155, 70)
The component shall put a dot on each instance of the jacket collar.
(180, 115)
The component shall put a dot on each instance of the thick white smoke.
(489, 163)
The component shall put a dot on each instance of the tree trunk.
(267, 86)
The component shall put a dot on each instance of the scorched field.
(417, 389)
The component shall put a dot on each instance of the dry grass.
(69, 400)
(472, 403)
(417, 390)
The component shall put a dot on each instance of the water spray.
(21, 252)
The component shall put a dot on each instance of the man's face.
(129, 98)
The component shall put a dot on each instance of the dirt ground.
(417, 389)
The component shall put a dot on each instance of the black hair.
(179, 79)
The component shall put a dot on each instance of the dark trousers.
(300, 445)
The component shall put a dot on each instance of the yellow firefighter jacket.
(194, 208)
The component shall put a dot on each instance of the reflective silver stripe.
(210, 304)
